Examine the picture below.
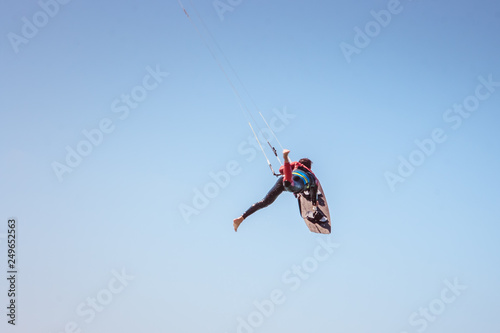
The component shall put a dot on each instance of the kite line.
(244, 108)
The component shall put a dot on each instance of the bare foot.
(236, 222)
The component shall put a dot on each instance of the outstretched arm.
(287, 169)
(285, 155)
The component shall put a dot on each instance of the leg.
(271, 196)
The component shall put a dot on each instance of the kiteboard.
(317, 218)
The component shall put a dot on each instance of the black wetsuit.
(298, 186)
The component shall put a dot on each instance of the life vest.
(305, 176)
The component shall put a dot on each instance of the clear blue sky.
(396, 103)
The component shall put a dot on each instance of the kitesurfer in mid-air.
(296, 178)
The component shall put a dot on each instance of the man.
(297, 177)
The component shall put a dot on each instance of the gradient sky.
(394, 253)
